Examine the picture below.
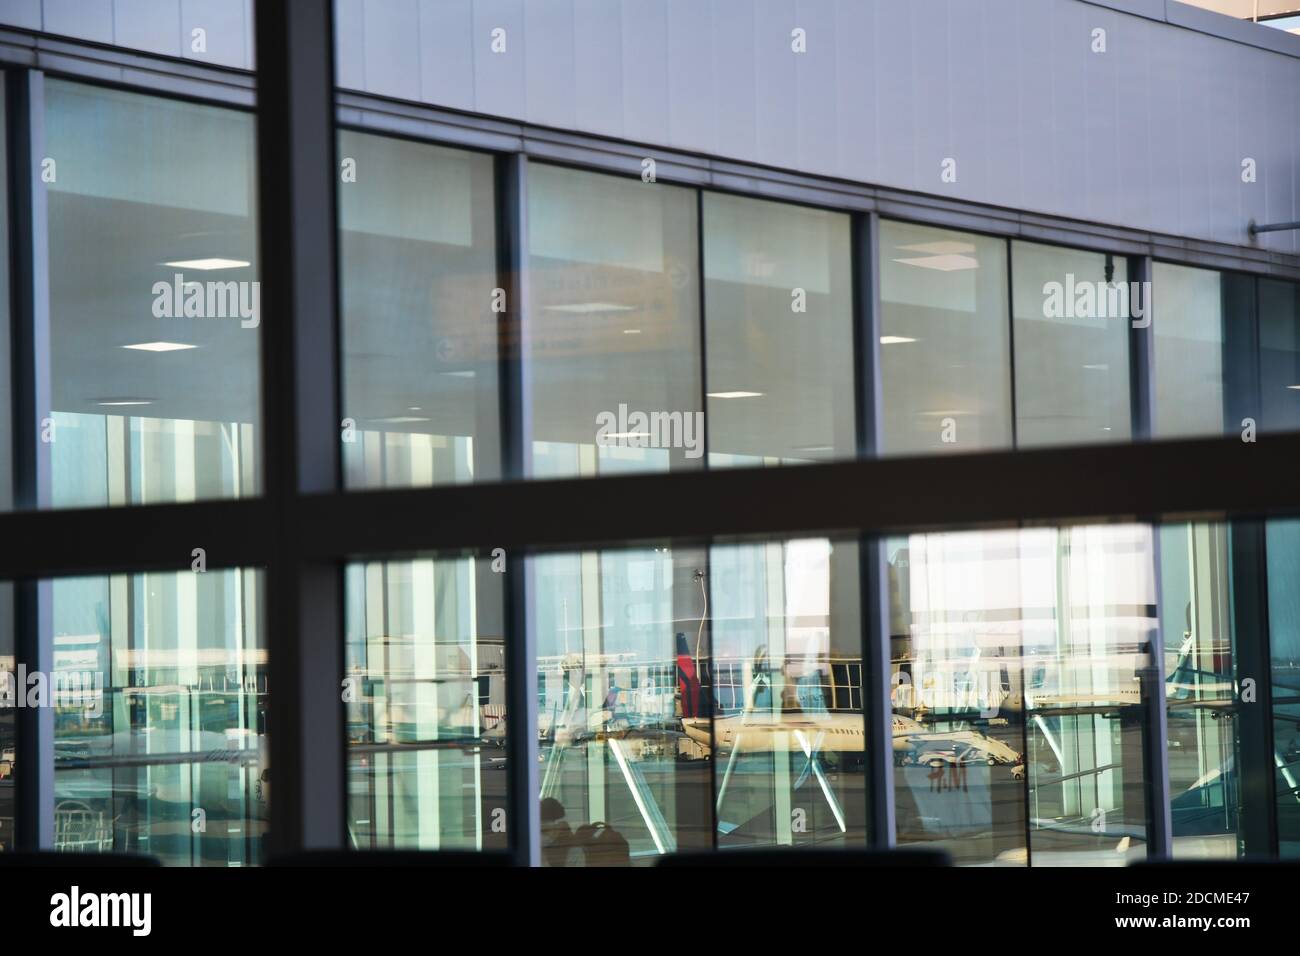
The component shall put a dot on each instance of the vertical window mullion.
(297, 176)
(1248, 577)
(1248, 563)
(1142, 363)
(706, 548)
(874, 600)
(34, 766)
(516, 463)
(1141, 354)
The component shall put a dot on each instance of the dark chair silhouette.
(389, 858)
(50, 858)
(789, 856)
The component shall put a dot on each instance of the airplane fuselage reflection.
(844, 733)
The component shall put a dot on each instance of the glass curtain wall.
(154, 366)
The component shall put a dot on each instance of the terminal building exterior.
(592, 431)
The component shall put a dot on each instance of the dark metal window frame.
(306, 528)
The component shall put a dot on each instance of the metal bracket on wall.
(1255, 228)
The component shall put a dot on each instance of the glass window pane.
(160, 699)
(779, 332)
(623, 703)
(154, 299)
(1017, 730)
(789, 741)
(8, 717)
(944, 348)
(1187, 322)
(424, 697)
(1071, 329)
(692, 697)
(417, 262)
(6, 329)
(1279, 355)
(1205, 792)
(613, 349)
(8, 735)
(1283, 545)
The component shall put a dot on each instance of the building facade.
(629, 309)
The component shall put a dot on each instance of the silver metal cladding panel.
(1150, 134)
(164, 27)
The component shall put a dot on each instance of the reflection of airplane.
(911, 736)
(835, 732)
(1075, 683)
(765, 732)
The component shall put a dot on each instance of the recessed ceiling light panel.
(208, 265)
(159, 346)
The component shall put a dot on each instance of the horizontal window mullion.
(135, 538)
(1148, 481)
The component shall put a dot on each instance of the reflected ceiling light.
(584, 308)
(460, 373)
(946, 263)
(1098, 368)
(947, 412)
(941, 248)
(208, 265)
(159, 346)
(113, 403)
(814, 447)
(895, 340)
(631, 331)
(735, 394)
(399, 420)
(414, 408)
(1294, 387)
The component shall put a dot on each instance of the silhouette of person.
(936, 776)
(957, 769)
